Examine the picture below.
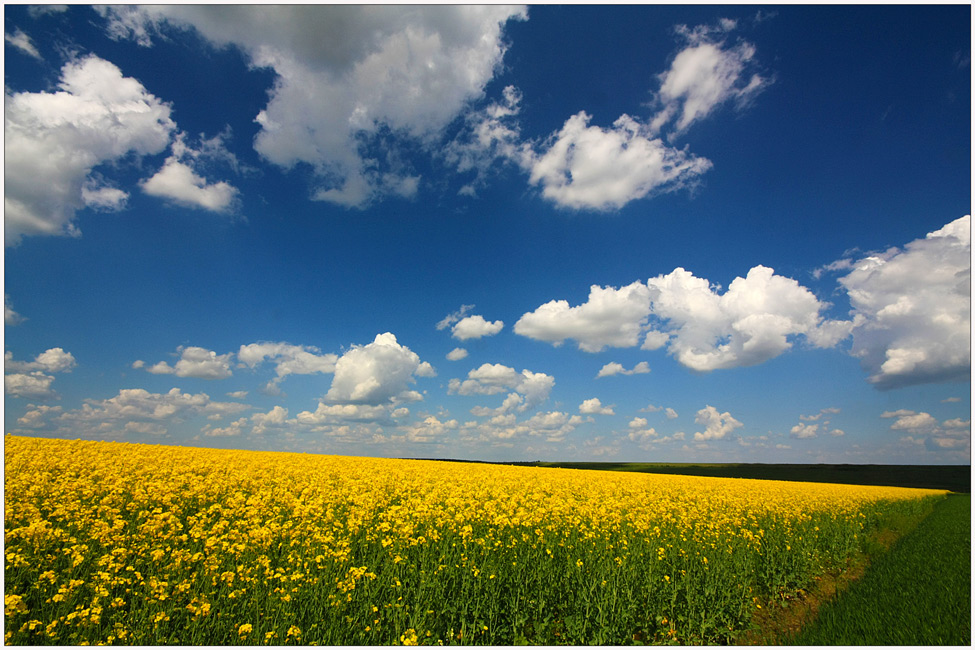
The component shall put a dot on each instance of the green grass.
(918, 593)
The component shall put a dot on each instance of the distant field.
(956, 478)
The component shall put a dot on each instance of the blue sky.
(648, 233)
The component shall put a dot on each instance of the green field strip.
(918, 593)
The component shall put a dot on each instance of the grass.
(918, 593)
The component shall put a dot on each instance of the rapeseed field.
(141, 544)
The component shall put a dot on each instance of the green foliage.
(918, 593)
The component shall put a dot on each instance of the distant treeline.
(956, 478)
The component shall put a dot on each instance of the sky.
(630, 233)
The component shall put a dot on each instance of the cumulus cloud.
(595, 407)
(195, 362)
(551, 426)
(34, 385)
(51, 360)
(804, 431)
(288, 359)
(475, 327)
(27, 379)
(613, 368)
(178, 182)
(138, 405)
(275, 417)
(22, 42)
(749, 324)
(377, 373)
(37, 415)
(347, 76)
(923, 428)
(910, 421)
(453, 317)
(457, 354)
(589, 167)
(586, 166)
(429, 430)
(912, 309)
(326, 414)
(54, 140)
(532, 388)
(611, 317)
(639, 431)
(716, 425)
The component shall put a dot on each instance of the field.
(139, 544)
(919, 593)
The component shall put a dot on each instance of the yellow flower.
(244, 629)
(409, 637)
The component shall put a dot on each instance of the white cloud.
(588, 167)
(326, 414)
(613, 368)
(235, 428)
(924, 428)
(611, 317)
(475, 327)
(10, 317)
(275, 417)
(804, 431)
(910, 421)
(345, 75)
(35, 385)
(669, 412)
(53, 141)
(430, 430)
(457, 354)
(716, 425)
(490, 379)
(196, 362)
(912, 309)
(288, 359)
(51, 360)
(453, 317)
(36, 416)
(490, 134)
(553, 426)
(749, 324)
(374, 374)
(138, 404)
(22, 42)
(178, 182)
(595, 407)
(817, 416)
(36, 11)
(640, 432)
(27, 379)
(703, 76)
